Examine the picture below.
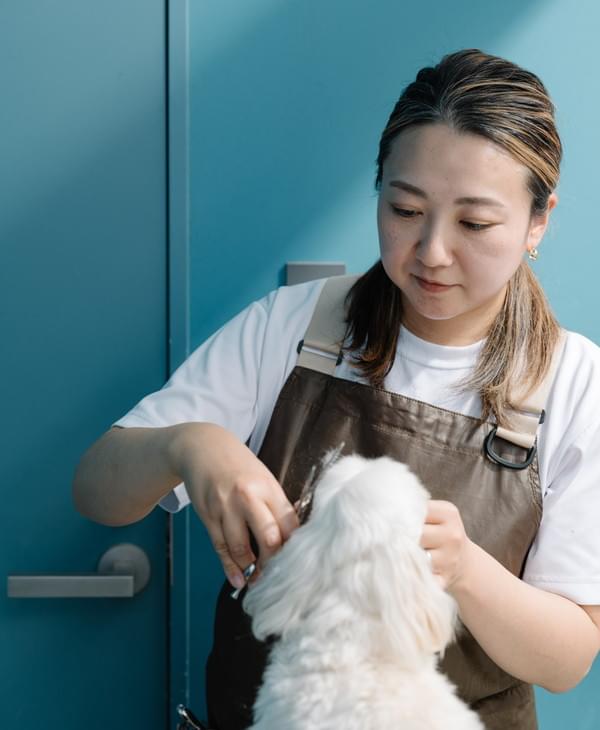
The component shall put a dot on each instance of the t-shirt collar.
(411, 347)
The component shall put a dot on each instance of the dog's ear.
(302, 572)
(292, 581)
(378, 564)
(417, 614)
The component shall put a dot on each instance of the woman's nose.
(433, 248)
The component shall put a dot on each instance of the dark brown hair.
(475, 93)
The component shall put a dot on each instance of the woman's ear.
(539, 224)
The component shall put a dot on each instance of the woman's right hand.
(232, 491)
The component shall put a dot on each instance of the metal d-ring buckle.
(504, 462)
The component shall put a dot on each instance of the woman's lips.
(432, 286)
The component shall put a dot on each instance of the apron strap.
(530, 413)
(321, 347)
(320, 350)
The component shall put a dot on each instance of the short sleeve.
(217, 383)
(565, 556)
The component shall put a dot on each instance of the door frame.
(178, 225)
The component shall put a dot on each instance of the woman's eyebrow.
(468, 200)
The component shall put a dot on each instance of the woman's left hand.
(446, 541)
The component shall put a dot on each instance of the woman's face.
(454, 220)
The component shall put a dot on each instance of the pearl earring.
(533, 254)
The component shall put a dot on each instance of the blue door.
(84, 335)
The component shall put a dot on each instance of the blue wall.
(288, 100)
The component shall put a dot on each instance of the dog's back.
(367, 698)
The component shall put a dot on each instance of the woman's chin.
(433, 314)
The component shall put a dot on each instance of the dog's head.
(361, 548)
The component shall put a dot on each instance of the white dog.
(358, 613)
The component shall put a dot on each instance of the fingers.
(427, 538)
(265, 529)
(433, 557)
(284, 513)
(271, 521)
(233, 492)
(439, 511)
(241, 545)
(438, 528)
(443, 524)
(444, 538)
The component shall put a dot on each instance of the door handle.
(123, 571)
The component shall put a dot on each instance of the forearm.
(124, 474)
(539, 637)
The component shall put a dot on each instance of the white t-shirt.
(234, 378)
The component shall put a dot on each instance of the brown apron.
(501, 509)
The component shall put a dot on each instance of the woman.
(448, 345)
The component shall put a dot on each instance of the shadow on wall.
(285, 124)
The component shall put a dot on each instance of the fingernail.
(236, 580)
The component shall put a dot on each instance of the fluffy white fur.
(358, 613)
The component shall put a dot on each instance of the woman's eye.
(476, 226)
(409, 213)
(405, 213)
